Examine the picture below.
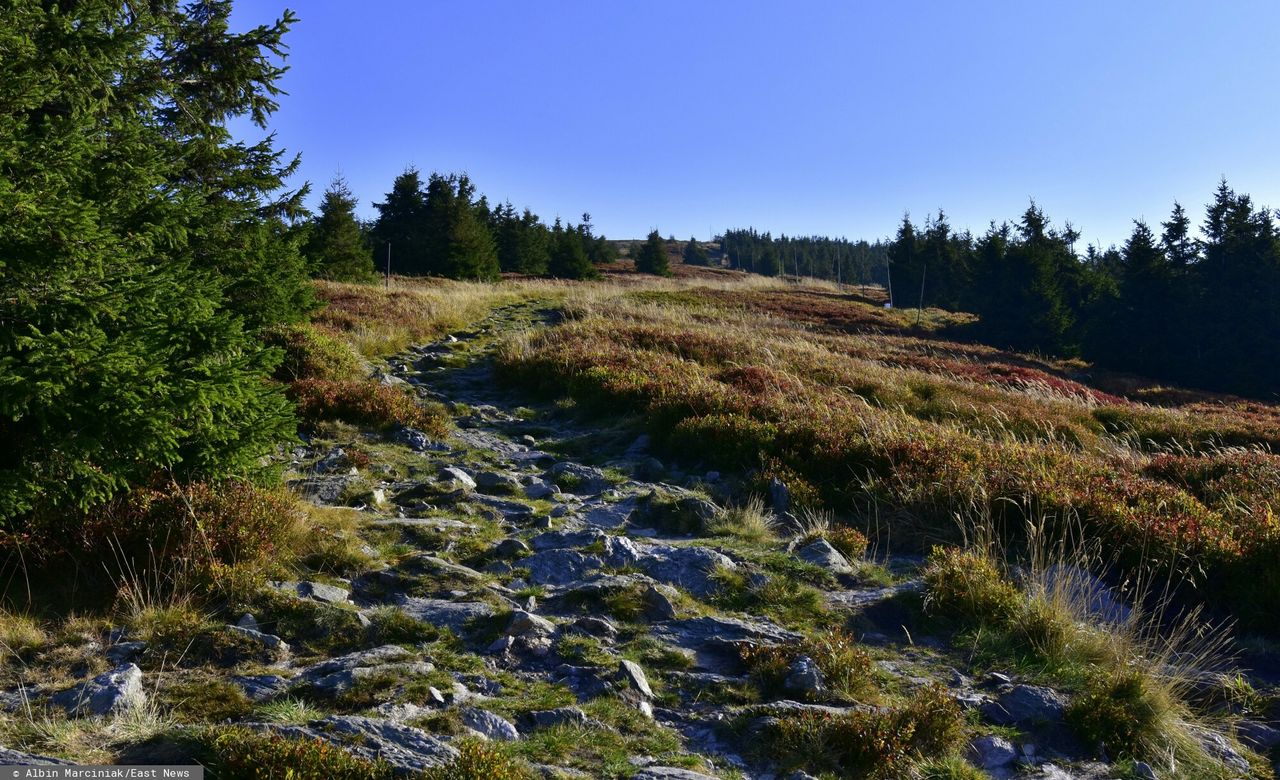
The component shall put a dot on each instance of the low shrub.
(845, 666)
(1122, 714)
(154, 544)
(240, 754)
(851, 542)
(311, 353)
(871, 743)
(748, 521)
(365, 402)
(968, 586)
(479, 760)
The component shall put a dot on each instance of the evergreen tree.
(336, 247)
(694, 253)
(568, 255)
(135, 235)
(400, 225)
(653, 256)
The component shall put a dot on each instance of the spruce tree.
(400, 226)
(694, 253)
(134, 232)
(568, 255)
(336, 247)
(653, 256)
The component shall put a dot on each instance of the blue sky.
(797, 117)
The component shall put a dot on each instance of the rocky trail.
(565, 559)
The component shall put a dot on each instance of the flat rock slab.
(408, 750)
(453, 615)
(559, 567)
(714, 640)
(669, 773)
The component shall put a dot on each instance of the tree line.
(441, 227)
(1199, 310)
(818, 257)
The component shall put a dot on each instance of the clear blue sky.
(797, 117)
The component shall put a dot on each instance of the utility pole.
(888, 272)
(387, 281)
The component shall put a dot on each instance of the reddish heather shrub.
(366, 402)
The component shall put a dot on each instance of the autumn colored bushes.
(746, 390)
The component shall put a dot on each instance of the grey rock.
(619, 551)
(688, 567)
(510, 548)
(115, 691)
(400, 711)
(698, 632)
(658, 602)
(489, 725)
(560, 540)
(454, 615)
(123, 652)
(779, 496)
(278, 647)
(1143, 770)
(610, 515)
(332, 461)
(1258, 735)
(560, 716)
(458, 477)
(1026, 704)
(630, 673)
(596, 626)
(523, 622)
(247, 620)
(580, 479)
(261, 687)
(539, 490)
(501, 645)
(407, 749)
(321, 490)
(418, 441)
(821, 553)
(497, 482)
(319, 591)
(639, 446)
(1221, 748)
(991, 752)
(669, 773)
(560, 567)
(804, 676)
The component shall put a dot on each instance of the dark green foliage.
(524, 243)
(442, 231)
(694, 253)
(569, 258)
(336, 247)
(400, 226)
(1118, 713)
(836, 259)
(138, 245)
(653, 256)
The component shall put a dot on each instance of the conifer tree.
(135, 235)
(401, 225)
(336, 247)
(568, 255)
(694, 253)
(653, 256)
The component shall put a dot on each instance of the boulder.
(454, 615)
(489, 725)
(659, 602)
(261, 687)
(630, 674)
(523, 622)
(1026, 704)
(669, 773)
(804, 677)
(779, 496)
(560, 716)
(458, 477)
(560, 567)
(991, 752)
(820, 553)
(115, 691)
(579, 479)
